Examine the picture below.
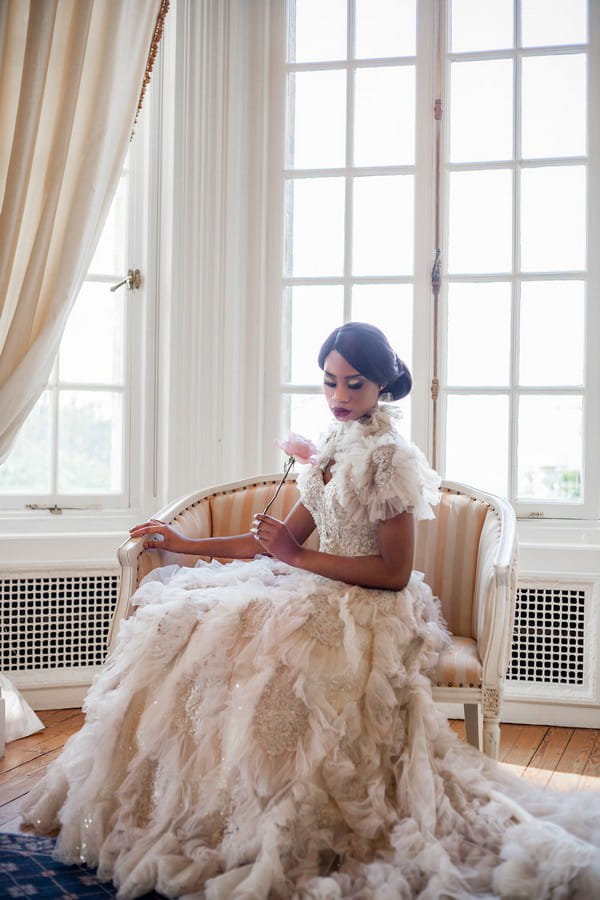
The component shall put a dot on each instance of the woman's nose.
(341, 393)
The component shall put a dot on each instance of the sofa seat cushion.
(459, 665)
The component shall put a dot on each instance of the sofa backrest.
(447, 549)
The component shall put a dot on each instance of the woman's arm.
(389, 570)
(299, 523)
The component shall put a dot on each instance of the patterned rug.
(28, 870)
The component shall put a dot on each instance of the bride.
(265, 728)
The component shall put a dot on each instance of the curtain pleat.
(71, 72)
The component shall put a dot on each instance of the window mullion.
(55, 425)
(513, 403)
(349, 175)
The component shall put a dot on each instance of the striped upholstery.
(459, 665)
(195, 521)
(222, 514)
(232, 511)
(447, 550)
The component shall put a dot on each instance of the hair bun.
(401, 386)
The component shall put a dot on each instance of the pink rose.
(300, 448)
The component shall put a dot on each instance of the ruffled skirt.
(261, 732)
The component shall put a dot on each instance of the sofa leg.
(472, 725)
(491, 737)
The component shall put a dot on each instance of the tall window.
(71, 450)
(349, 185)
(510, 214)
(516, 175)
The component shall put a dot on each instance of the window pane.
(477, 442)
(309, 415)
(479, 334)
(548, 22)
(317, 30)
(91, 349)
(316, 208)
(550, 448)
(553, 213)
(481, 110)
(389, 307)
(89, 442)
(480, 230)
(477, 25)
(27, 469)
(109, 257)
(385, 28)
(384, 125)
(383, 225)
(554, 106)
(552, 333)
(315, 312)
(318, 127)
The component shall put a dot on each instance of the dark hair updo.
(367, 350)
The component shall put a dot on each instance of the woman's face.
(349, 394)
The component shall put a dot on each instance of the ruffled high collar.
(343, 435)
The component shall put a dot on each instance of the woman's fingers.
(154, 527)
(263, 526)
(137, 530)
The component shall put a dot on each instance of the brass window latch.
(133, 280)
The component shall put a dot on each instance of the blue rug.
(27, 869)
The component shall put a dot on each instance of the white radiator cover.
(554, 672)
(54, 627)
(548, 647)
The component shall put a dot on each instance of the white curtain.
(71, 72)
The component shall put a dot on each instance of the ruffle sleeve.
(391, 477)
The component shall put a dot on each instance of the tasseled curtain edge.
(152, 53)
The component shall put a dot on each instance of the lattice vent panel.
(55, 621)
(549, 637)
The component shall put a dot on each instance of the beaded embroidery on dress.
(263, 732)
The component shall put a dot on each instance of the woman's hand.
(275, 537)
(160, 536)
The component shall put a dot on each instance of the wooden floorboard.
(564, 758)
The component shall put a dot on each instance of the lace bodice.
(338, 532)
(375, 475)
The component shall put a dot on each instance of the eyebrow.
(346, 377)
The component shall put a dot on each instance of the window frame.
(528, 508)
(433, 70)
(98, 510)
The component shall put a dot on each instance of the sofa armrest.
(495, 591)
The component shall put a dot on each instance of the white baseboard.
(68, 697)
(536, 713)
(54, 689)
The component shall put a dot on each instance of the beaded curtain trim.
(152, 54)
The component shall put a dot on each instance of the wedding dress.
(261, 731)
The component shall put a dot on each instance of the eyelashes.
(355, 386)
